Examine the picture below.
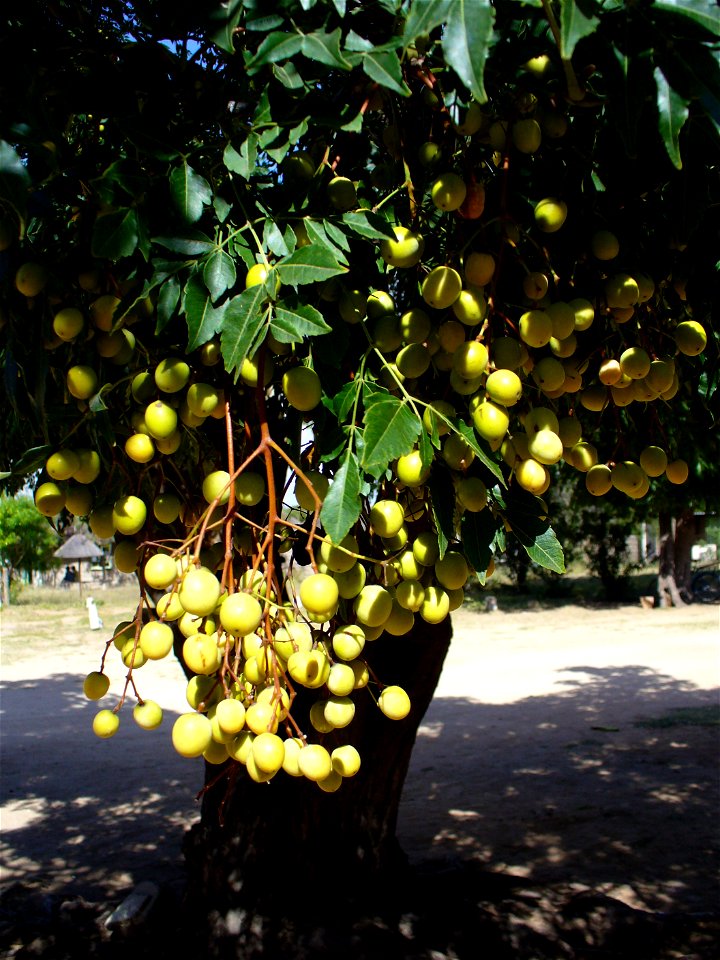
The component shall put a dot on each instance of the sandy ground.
(575, 745)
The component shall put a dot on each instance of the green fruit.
(526, 135)
(550, 214)
(105, 724)
(504, 387)
(472, 494)
(147, 715)
(405, 250)
(441, 287)
(415, 326)
(598, 480)
(341, 193)
(172, 374)
(394, 703)
(535, 328)
(129, 514)
(216, 487)
(78, 501)
(166, 507)
(203, 398)
(426, 549)
(126, 556)
(249, 488)
(621, 290)
(491, 420)
(479, 268)
(302, 388)
(429, 154)
(448, 192)
(387, 517)
(30, 279)
(339, 558)
(470, 359)
(604, 245)
(320, 485)
(160, 419)
(635, 363)
(372, 605)
(319, 595)
(102, 522)
(549, 374)
(436, 413)
(409, 469)
(102, 311)
(199, 593)
(452, 570)
(68, 323)
(96, 685)
(690, 338)
(191, 734)
(413, 360)
(82, 382)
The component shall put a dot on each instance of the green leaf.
(344, 401)
(318, 234)
(292, 322)
(575, 23)
(385, 69)
(336, 236)
(356, 43)
(355, 125)
(189, 192)
(33, 459)
(423, 17)
(288, 75)
(343, 504)
(701, 11)
(187, 246)
(219, 273)
(168, 300)
(672, 114)
(276, 46)
(309, 265)
(224, 21)
(203, 320)
(466, 42)
(116, 234)
(543, 547)
(340, 6)
(14, 182)
(368, 224)
(242, 322)
(425, 446)
(477, 531)
(442, 505)
(242, 162)
(391, 429)
(325, 48)
(273, 239)
(468, 434)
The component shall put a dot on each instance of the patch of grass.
(684, 717)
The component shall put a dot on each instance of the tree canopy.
(343, 284)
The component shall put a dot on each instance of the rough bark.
(286, 847)
(688, 529)
(668, 591)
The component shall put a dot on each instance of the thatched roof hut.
(77, 548)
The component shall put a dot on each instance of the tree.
(27, 543)
(335, 286)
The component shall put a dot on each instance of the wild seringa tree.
(304, 305)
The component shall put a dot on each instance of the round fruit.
(448, 191)
(319, 595)
(441, 287)
(160, 419)
(479, 268)
(320, 485)
(160, 571)
(491, 420)
(504, 387)
(690, 338)
(429, 153)
(96, 685)
(405, 250)
(345, 760)
(147, 714)
(472, 494)
(82, 382)
(536, 328)
(394, 703)
(166, 507)
(68, 323)
(409, 469)
(470, 359)
(387, 517)
(341, 193)
(452, 570)
(598, 480)
(635, 363)
(249, 488)
(88, 466)
(605, 245)
(435, 606)
(654, 461)
(102, 311)
(199, 592)
(526, 135)
(532, 476)
(105, 724)
(202, 399)
(191, 734)
(677, 471)
(140, 448)
(240, 613)
(550, 214)
(302, 388)
(30, 279)
(126, 556)
(348, 642)
(129, 514)
(372, 605)
(314, 762)
(171, 374)
(621, 290)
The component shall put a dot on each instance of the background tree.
(316, 255)
(27, 543)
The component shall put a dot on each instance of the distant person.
(70, 576)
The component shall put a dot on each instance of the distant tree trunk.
(688, 529)
(5, 585)
(266, 858)
(668, 587)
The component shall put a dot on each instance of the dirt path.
(573, 746)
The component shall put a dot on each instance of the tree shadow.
(565, 788)
(86, 816)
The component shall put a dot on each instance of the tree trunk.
(269, 860)
(5, 586)
(688, 529)
(668, 591)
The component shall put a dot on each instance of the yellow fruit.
(479, 268)
(140, 448)
(394, 702)
(677, 471)
(191, 734)
(654, 461)
(341, 193)
(470, 307)
(49, 499)
(126, 556)
(532, 476)
(535, 328)
(156, 640)
(30, 279)
(491, 420)
(550, 214)
(172, 374)
(96, 685)
(604, 245)
(405, 250)
(690, 338)
(199, 593)
(441, 287)
(105, 724)
(68, 323)
(598, 480)
(409, 469)
(129, 515)
(82, 382)
(302, 388)
(526, 135)
(448, 191)
(102, 312)
(621, 291)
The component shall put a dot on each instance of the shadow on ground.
(512, 814)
